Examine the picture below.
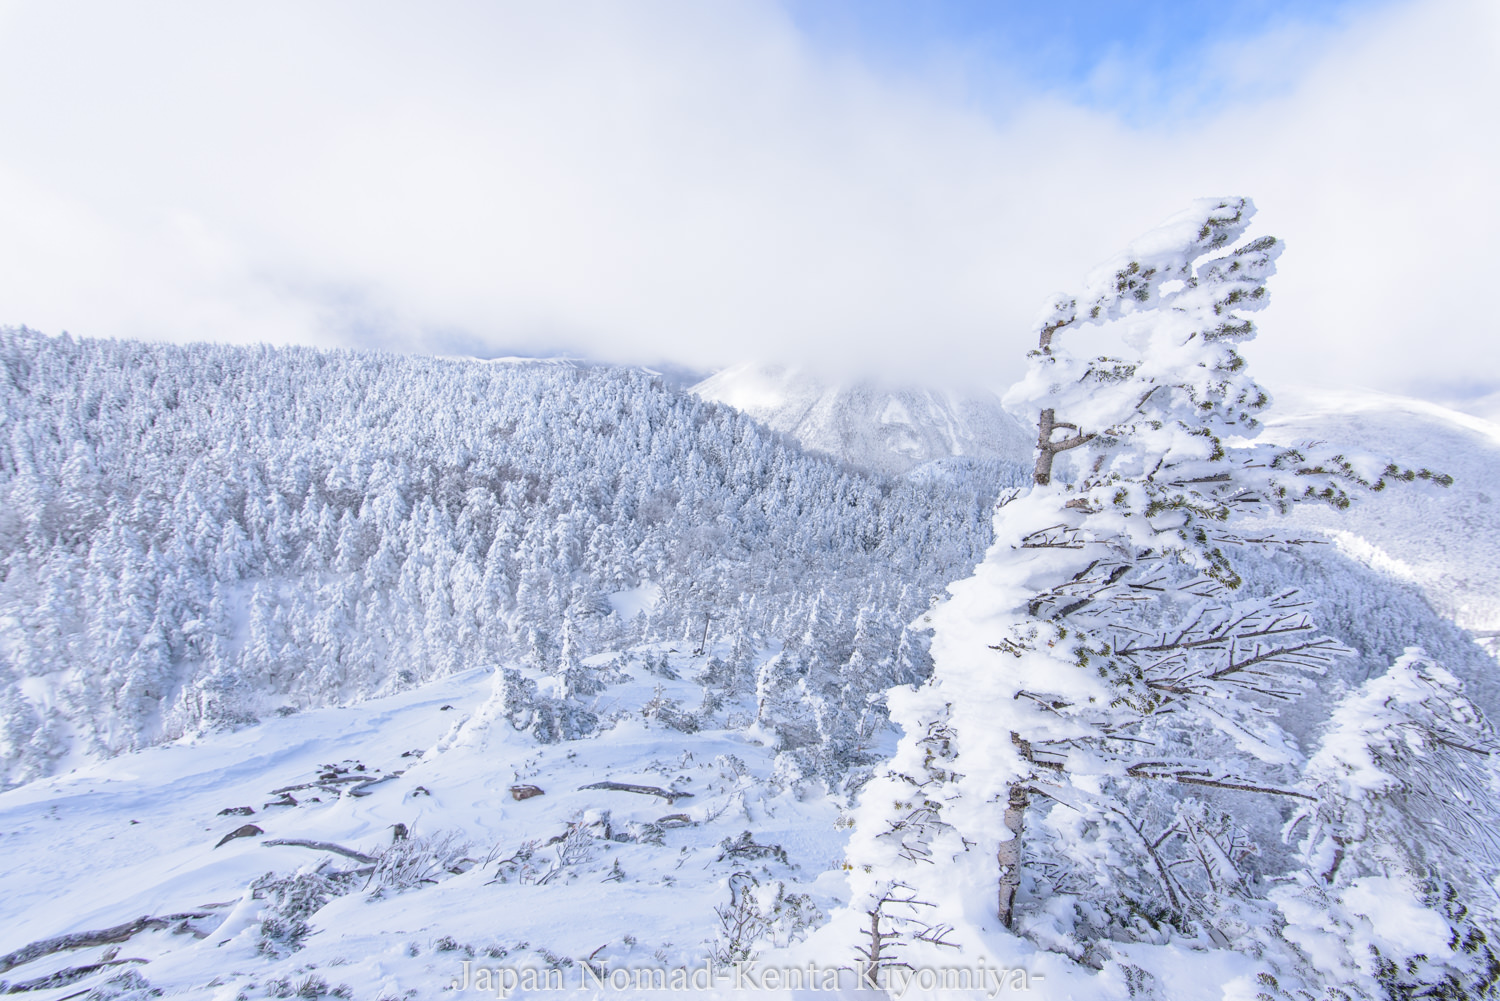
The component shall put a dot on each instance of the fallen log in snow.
(87, 939)
(322, 846)
(670, 795)
(63, 978)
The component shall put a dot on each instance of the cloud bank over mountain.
(687, 184)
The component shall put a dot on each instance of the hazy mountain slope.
(888, 428)
(1444, 540)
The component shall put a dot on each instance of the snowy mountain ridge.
(868, 424)
(1447, 542)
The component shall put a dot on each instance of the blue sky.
(1001, 49)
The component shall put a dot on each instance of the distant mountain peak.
(889, 428)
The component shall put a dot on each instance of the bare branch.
(1183, 776)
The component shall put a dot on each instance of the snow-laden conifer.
(1400, 892)
(1100, 678)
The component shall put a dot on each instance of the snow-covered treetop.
(1409, 760)
(1134, 276)
(1408, 714)
(1142, 373)
(1168, 314)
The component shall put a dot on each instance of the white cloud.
(693, 182)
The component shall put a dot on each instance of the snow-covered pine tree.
(1099, 674)
(1401, 891)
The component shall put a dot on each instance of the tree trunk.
(703, 641)
(1009, 854)
(1047, 448)
(1044, 452)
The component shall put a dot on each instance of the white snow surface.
(892, 429)
(629, 603)
(136, 835)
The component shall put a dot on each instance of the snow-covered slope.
(887, 428)
(624, 878)
(1444, 540)
(640, 884)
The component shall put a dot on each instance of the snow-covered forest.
(195, 536)
(763, 499)
(365, 674)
